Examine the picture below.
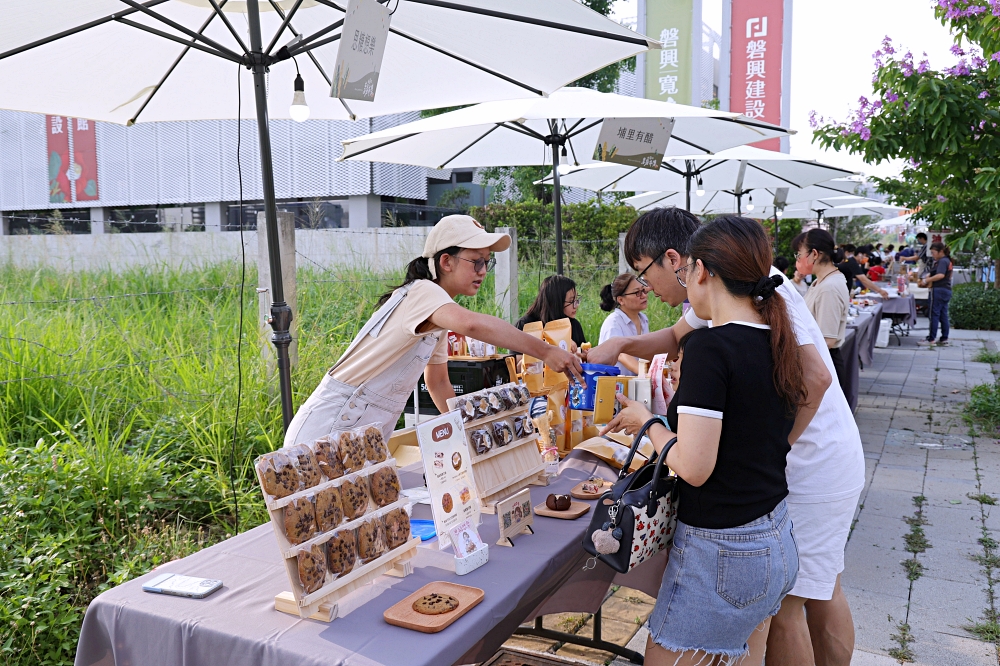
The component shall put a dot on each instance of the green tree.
(945, 123)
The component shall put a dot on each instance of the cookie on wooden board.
(327, 453)
(354, 497)
(375, 449)
(371, 540)
(300, 520)
(312, 568)
(329, 512)
(435, 604)
(342, 552)
(306, 463)
(397, 528)
(279, 475)
(384, 485)
(352, 451)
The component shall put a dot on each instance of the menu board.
(448, 470)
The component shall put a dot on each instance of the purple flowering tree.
(945, 123)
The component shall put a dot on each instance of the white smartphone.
(182, 586)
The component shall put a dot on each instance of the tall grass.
(117, 401)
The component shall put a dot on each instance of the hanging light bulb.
(701, 188)
(299, 110)
(750, 203)
(779, 212)
(563, 159)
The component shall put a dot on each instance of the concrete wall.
(379, 250)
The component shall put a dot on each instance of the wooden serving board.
(578, 493)
(403, 615)
(575, 510)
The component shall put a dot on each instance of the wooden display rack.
(322, 604)
(504, 470)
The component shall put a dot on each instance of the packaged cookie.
(523, 427)
(375, 449)
(312, 567)
(525, 396)
(482, 404)
(481, 440)
(397, 528)
(467, 408)
(352, 451)
(305, 462)
(502, 433)
(329, 512)
(280, 478)
(354, 497)
(495, 401)
(384, 485)
(300, 520)
(371, 540)
(327, 452)
(342, 552)
(507, 397)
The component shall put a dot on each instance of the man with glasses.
(826, 463)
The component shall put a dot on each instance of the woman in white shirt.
(625, 299)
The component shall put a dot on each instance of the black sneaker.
(942, 341)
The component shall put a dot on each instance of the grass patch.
(914, 568)
(983, 406)
(903, 637)
(982, 498)
(987, 356)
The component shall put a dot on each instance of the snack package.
(329, 512)
(328, 457)
(614, 448)
(524, 395)
(354, 497)
(312, 568)
(503, 434)
(544, 430)
(278, 474)
(456, 344)
(467, 408)
(496, 403)
(371, 540)
(305, 462)
(589, 429)
(559, 436)
(533, 368)
(352, 451)
(482, 404)
(384, 485)
(300, 520)
(481, 440)
(523, 427)
(397, 528)
(557, 406)
(375, 449)
(507, 398)
(559, 333)
(342, 552)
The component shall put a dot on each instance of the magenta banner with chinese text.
(57, 150)
(755, 62)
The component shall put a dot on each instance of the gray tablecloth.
(858, 349)
(867, 324)
(849, 353)
(238, 624)
(904, 305)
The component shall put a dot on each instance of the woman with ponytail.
(625, 299)
(733, 558)
(407, 337)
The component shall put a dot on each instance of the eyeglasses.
(799, 255)
(641, 280)
(575, 302)
(643, 291)
(677, 274)
(480, 263)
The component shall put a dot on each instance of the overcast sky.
(832, 45)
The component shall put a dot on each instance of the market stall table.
(902, 308)
(238, 624)
(859, 348)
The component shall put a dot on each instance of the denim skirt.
(720, 584)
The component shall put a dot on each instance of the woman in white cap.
(407, 336)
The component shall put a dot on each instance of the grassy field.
(117, 403)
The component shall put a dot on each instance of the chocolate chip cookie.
(306, 463)
(300, 520)
(327, 453)
(384, 486)
(397, 528)
(329, 512)
(354, 497)
(281, 479)
(371, 540)
(352, 451)
(375, 449)
(435, 604)
(342, 552)
(312, 568)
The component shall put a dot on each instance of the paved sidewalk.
(922, 555)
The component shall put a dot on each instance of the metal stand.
(596, 642)
(557, 199)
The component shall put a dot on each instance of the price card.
(359, 54)
(448, 470)
(639, 142)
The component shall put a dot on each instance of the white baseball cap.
(462, 231)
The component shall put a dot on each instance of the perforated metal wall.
(195, 162)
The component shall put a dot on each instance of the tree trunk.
(996, 273)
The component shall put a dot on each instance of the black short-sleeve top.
(727, 373)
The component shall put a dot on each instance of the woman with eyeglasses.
(828, 298)
(557, 299)
(407, 336)
(625, 299)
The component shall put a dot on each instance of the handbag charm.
(607, 540)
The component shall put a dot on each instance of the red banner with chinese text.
(755, 62)
(85, 151)
(57, 149)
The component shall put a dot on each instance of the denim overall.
(335, 406)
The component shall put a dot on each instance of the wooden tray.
(578, 493)
(403, 615)
(575, 510)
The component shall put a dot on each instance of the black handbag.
(635, 519)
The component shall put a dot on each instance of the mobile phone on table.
(182, 586)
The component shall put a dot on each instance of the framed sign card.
(447, 468)
(515, 516)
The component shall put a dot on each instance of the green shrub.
(975, 307)
(984, 405)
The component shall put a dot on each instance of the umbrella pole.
(281, 314)
(739, 202)
(687, 189)
(557, 203)
(776, 232)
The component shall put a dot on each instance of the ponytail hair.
(611, 292)
(737, 250)
(419, 269)
(941, 247)
(821, 241)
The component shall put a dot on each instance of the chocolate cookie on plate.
(435, 604)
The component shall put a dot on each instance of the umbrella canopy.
(518, 132)
(722, 201)
(175, 59)
(857, 208)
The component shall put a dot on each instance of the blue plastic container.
(582, 396)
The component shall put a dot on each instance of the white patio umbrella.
(520, 131)
(124, 61)
(739, 170)
(724, 201)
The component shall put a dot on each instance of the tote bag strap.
(635, 446)
(374, 324)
